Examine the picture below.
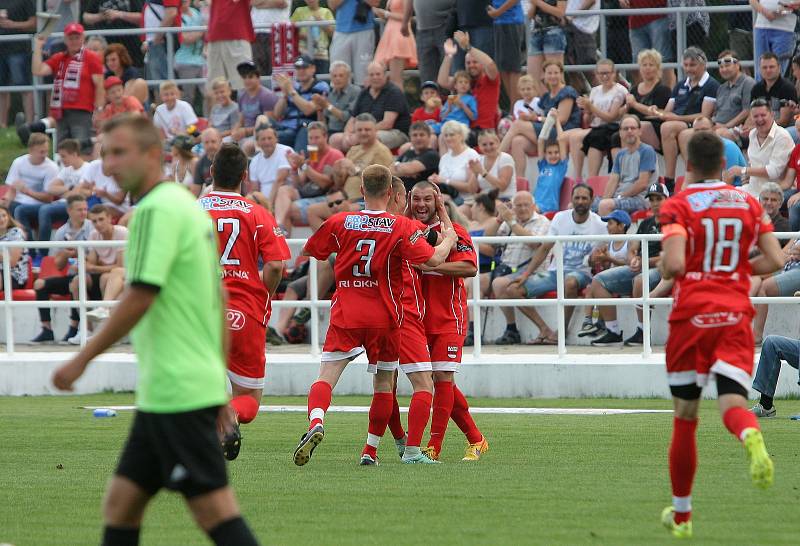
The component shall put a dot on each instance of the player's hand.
(461, 38)
(67, 374)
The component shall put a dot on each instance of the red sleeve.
(271, 242)
(95, 63)
(54, 61)
(463, 251)
(413, 246)
(672, 219)
(323, 242)
(793, 164)
(172, 3)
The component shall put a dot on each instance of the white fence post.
(477, 320)
(314, 288)
(646, 348)
(560, 322)
(83, 333)
(7, 290)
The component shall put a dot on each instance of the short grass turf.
(545, 480)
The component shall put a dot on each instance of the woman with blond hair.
(453, 176)
(650, 94)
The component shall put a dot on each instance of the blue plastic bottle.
(104, 412)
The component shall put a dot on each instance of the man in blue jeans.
(19, 17)
(775, 350)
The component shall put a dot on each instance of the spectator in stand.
(740, 31)
(211, 140)
(460, 106)
(485, 80)
(581, 40)
(775, 351)
(336, 201)
(603, 108)
(484, 217)
(224, 114)
(173, 116)
(255, 101)
(295, 109)
(189, 60)
(354, 37)
(523, 136)
(122, 14)
(472, 18)
(493, 170)
(265, 13)
(368, 151)
(182, 167)
(160, 13)
(119, 64)
(62, 187)
(338, 106)
(694, 97)
(547, 41)
(77, 88)
(229, 37)
(99, 188)
(314, 41)
(454, 171)
(432, 21)
(11, 231)
(28, 179)
(77, 228)
(733, 97)
(775, 89)
(419, 161)
(768, 152)
(771, 199)
(395, 51)
(525, 107)
(384, 101)
(68, 11)
(774, 30)
(552, 165)
(650, 93)
(696, 23)
(651, 32)
(98, 44)
(791, 188)
(733, 154)
(311, 177)
(18, 17)
(269, 169)
(509, 42)
(635, 169)
(430, 111)
(118, 102)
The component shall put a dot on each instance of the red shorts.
(712, 343)
(382, 346)
(414, 355)
(246, 359)
(445, 351)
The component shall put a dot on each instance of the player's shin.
(379, 413)
(442, 408)
(682, 466)
(233, 532)
(738, 420)
(319, 400)
(246, 407)
(395, 425)
(419, 411)
(462, 417)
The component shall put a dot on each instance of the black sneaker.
(72, 332)
(45, 336)
(589, 329)
(635, 339)
(232, 443)
(308, 443)
(508, 338)
(609, 338)
(23, 130)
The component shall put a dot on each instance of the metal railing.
(314, 303)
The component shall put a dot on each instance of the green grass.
(545, 480)
(10, 149)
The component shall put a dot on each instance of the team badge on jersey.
(235, 319)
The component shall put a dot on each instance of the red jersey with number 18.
(369, 247)
(245, 231)
(721, 224)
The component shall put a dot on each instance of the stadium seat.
(565, 197)
(598, 184)
(523, 184)
(640, 215)
(4, 189)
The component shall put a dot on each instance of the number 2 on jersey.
(225, 259)
(366, 258)
(721, 236)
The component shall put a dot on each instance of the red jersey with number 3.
(245, 231)
(369, 247)
(445, 295)
(721, 224)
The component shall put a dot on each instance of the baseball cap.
(657, 188)
(247, 67)
(303, 61)
(619, 216)
(73, 28)
(111, 81)
(429, 84)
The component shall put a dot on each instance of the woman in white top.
(183, 160)
(603, 108)
(454, 171)
(773, 31)
(493, 169)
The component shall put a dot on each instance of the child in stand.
(552, 168)
(430, 110)
(173, 116)
(461, 107)
(794, 258)
(527, 108)
(225, 113)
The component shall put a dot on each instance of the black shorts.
(178, 451)
(93, 290)
(601, 137)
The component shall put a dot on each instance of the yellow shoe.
(762, 470)
(430, 453)
(678, 530)
(474, 451)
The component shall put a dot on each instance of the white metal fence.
(314, 303)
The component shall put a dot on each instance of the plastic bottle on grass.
(104, 412)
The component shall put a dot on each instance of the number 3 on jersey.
(367, 248)
(225, 259)
(721, 236)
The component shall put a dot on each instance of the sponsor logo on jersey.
(416, 236)
(277, 231)
(463, 247)
(235, 319)
(362, 222)
(704, 200)
(216, 202)
(358, 283)
(235, 274)
(716, 320)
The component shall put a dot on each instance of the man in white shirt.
(62, 186)
(97, 184)
(768, 152)
(270, 167)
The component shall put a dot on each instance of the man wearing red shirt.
(246, 231)
(709, 229)
(369, 247)
(230, 35)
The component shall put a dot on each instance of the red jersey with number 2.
(369, 247)
(721, 224)
(245, 231)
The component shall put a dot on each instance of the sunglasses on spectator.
(728, 60)
(332, 204)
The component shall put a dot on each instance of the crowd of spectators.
(512, 140)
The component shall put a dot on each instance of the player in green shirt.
(174, 307)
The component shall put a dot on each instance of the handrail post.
(83, 332)
(647, 350)
(476, 316)
(7, 289)
(680, 42)
(170, 39)
(603, 36)
(312, 275)
(560, 322)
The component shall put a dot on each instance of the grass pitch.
(552, 479)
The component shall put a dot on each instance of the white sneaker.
(759, 411)
(76, 339)
(98, 315)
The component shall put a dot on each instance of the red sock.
(395, 425)
(462, 417)
(319, 400)
(379, 413)
(246, 408)
(737, 420)
(682, 466)
(419, 411)
(442, 407)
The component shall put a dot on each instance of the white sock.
(373, 440)
(316, 413)
(682, 504)
(640, 325)
(411, 451)
(612, 326)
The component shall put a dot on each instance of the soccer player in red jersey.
(709, 229)
(246, 231)
(366, 308)
(446, 326)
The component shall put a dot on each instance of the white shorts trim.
(415, 367)
(730, 371)
(382, 366)
(691, 377)
(333, 356)
(246, 382)
(445, 366)
(680, 379)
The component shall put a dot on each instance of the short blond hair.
(651, 55)
(526, 79)
(221, 81)
(454, 126)
(167, 85)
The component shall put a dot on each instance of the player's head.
(101, 220)
(582, 195)
(132, 151)
(423, 201)
(376, 182)
(229, 168)
(77, 209)
(706, 156)
(397, 204)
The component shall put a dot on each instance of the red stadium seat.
(202, 124)
(565, 197)
(598, 184)
(48, 268)
(679, 182)
(4, 189)
(523, 184)
(640, 215)
(550, 215)
(24, 294)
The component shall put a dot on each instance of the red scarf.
(67, 82)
